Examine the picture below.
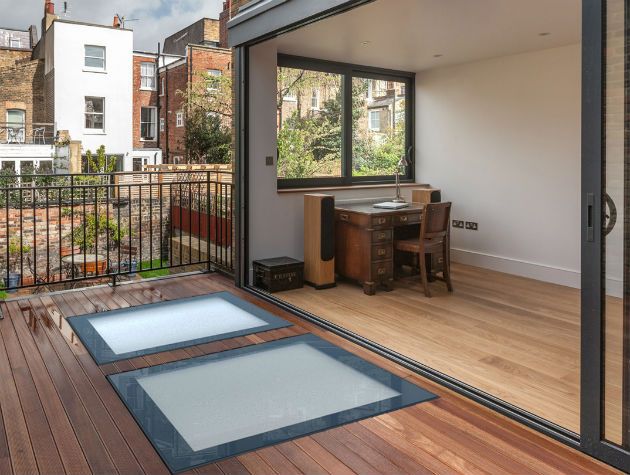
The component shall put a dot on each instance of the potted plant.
(16, 250)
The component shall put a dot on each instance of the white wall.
(501, 138)
(275, 219)
(73, 84)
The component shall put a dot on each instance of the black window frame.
(349, 72)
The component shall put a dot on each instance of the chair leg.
(447, 267)
(423, 273)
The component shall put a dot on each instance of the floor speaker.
(319, 240)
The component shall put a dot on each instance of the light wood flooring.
(515, 338)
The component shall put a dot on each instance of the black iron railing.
(31, 133)
(57, 230)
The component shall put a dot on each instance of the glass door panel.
(614, 236)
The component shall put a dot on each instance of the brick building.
(202, 53)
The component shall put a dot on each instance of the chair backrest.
(435, 220)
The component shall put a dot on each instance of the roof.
(259, 20)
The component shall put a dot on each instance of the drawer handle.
(404, 219)
(381, 236)
(343, 217)
(381, 220)
(381, 252)
(381, 271)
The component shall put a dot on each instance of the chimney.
(116, 23)
(49, 15)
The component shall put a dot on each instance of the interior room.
(492, 121)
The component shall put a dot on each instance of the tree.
(208, 119)
(101, 163)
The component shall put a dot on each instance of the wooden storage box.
(279, 274)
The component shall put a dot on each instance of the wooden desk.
(364, 242)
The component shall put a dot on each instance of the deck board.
(60, 414)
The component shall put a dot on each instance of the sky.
(158, 18)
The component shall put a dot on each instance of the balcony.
(35, 133)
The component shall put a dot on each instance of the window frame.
(154, 122)
(85, 113)
(154, 77)
(213, 86)
(13, 39)
(104, 58)
(179, 119)
(348, 72)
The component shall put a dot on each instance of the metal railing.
(31, 133)
(57, 230)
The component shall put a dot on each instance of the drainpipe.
(158, 85)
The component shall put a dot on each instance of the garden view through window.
(313, 126)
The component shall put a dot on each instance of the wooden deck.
(60, 415)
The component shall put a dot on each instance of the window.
(162, 124)
(148, 123)
(375, 120)
(179, 121)
(359, 133)
(162, 86)
(381, 139)
(16, 117)
(45, 167)
(95, 57)
(315, 99)
(213, 82)
(137, 164)
(147, 76)
(95, 113)
(15, 42)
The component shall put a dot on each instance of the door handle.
(590, 206)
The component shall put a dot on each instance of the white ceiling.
(406, 34)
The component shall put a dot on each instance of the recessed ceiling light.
(438, 55)
(365, 43)
(546, 33)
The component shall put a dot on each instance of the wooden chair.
(434, 239)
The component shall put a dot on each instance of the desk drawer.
(402, 219)
(381, 236)
(382, 271)
(382, 252)
(381, 222)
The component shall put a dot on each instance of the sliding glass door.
(606, 258)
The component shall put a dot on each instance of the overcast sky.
(158, 18)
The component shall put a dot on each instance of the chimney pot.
(49, 7)
(116, 23)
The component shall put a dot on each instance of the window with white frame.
(95, 57)
(15, 42)
(162, 86)
(162, 124)
(375, 120)
(315, 99)
(148, 123)
(95, 113)
(179, 119)
(213, 82)
(147, 75)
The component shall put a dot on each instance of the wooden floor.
(515, 338)
(60, 415)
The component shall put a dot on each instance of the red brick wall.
(141, 99)
(200, 59)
